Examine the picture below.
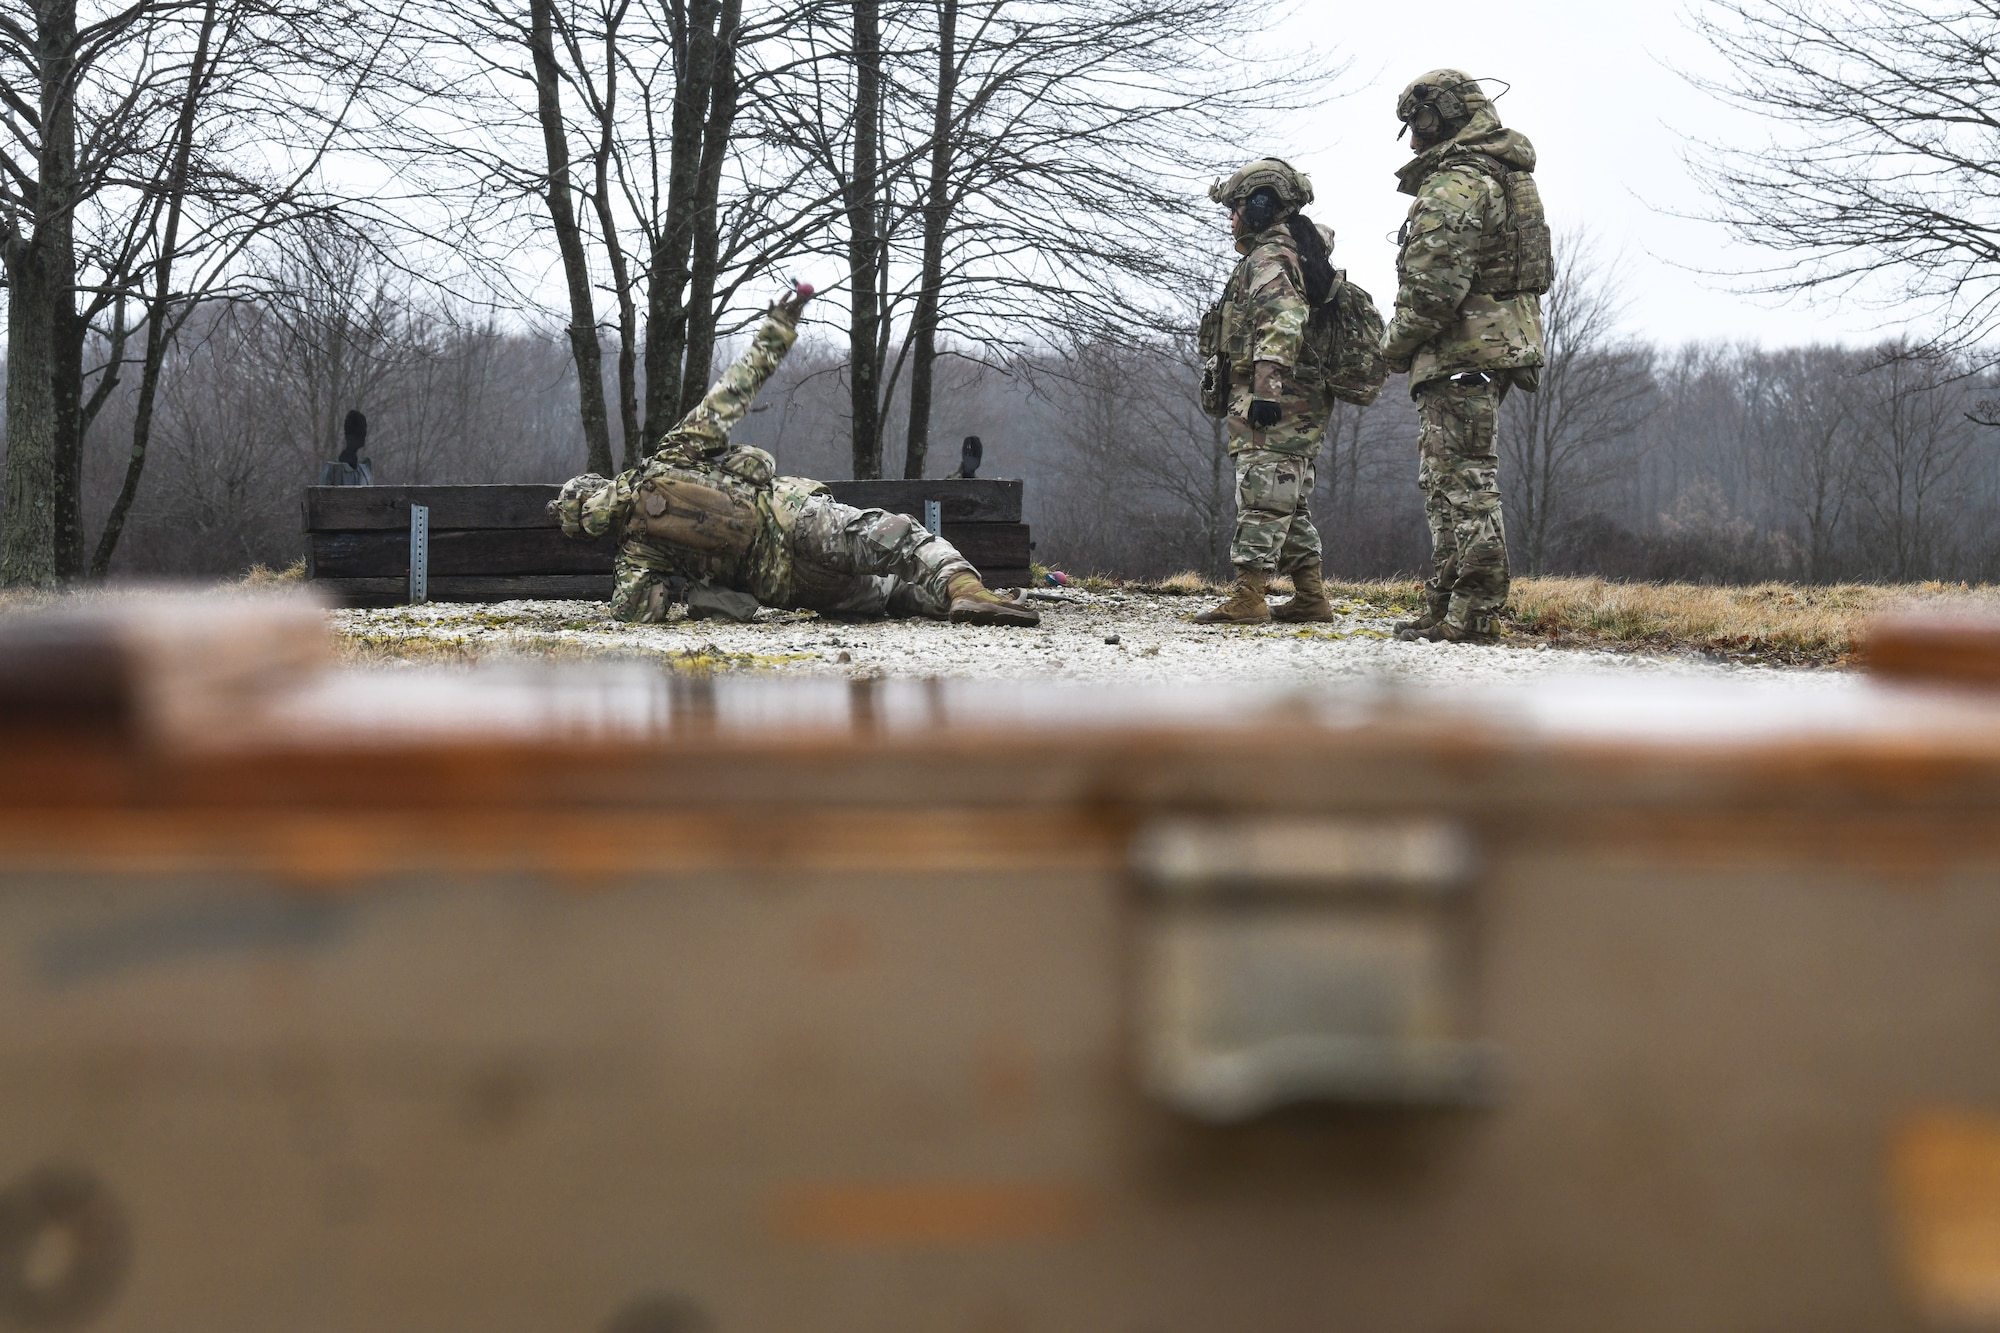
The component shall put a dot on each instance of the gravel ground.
(1116, 636)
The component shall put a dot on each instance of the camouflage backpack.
(1342, 352)
(1343, 344)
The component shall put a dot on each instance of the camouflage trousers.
(1459, 473)
(846, 562)
(1274, 484)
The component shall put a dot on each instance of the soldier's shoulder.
(1272, 258)
(1458, 182)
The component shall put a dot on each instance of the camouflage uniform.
(1464, 347)
(1264, 313)
(782, 540)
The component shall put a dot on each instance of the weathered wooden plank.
(991, 546)
(491, 552)
(980, 500)
(368, 508)
(471, 588)
(377, 508)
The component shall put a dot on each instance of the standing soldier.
(1277, 418)
(1468, 327)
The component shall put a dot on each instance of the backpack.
(1343, 344)
(1342, 352)
(1519, 258)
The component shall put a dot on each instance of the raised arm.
(707, 427)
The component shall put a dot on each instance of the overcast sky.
(1595, 88)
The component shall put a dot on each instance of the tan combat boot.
(1433, 613)
(1246, 606)
(1308, 600)
(973, 603)
(1477, 629)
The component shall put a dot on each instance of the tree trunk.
(864, 244)
(667, 270)
(707, 202)
(621, 276)
(157, 314)
(71, 330)
(569, 239)
(34, 301)
(40, 511)
(937, 217)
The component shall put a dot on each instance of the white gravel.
(1103, 637)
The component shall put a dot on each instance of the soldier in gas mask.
(1475, 260)
(717, 519)
(1276, 406)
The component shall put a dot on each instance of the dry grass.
(262, 576)
(1778, 623)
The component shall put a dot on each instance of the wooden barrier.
(491, 543)
(607, 1000)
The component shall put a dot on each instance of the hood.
(1483, 133)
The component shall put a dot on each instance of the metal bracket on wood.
(420, 554)
(934, 517)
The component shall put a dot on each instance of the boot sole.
(967, 612)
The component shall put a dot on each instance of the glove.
(789, 309)
(1264, 414)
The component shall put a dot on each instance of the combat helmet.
(1293, 187)
(1453, 95)
(568, 505)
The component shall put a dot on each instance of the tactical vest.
(1519, 257)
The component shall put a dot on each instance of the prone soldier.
(1277, 414)
(1475, 259)
(719, 516)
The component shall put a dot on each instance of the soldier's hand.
(794, 305)
(1263, 414)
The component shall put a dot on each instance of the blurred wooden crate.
(607, 1000)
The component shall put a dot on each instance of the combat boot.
(1446, 632)
(1308, 600)
(1433, 613)
(1246, 606)
(973, 603)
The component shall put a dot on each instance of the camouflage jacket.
(697, 450)
(1264, 309)
(1441, 326)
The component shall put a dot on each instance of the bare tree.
(1915, 442)
(138, 137)
(1596, 389)
(1063, 147)
(1803, 423)
(1880, 180)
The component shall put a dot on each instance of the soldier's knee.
(890, 531)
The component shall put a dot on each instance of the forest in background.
(1708, 463)
(520, 235)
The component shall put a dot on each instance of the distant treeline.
(1710, 462)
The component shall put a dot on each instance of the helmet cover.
(1293, 187)
(568, 506)
(1451, 93)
